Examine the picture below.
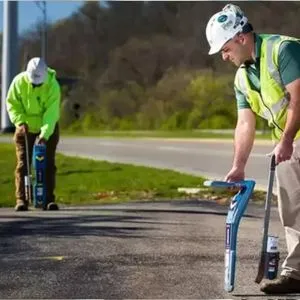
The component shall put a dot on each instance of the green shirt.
(288, 62)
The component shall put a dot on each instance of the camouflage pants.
(21, 171)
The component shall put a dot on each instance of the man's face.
(235, 51)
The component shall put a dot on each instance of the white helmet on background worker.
(223, 26)
(36, 70)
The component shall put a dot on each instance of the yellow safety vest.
(272, 101)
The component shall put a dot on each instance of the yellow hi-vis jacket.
(38, 107)
(272, 101)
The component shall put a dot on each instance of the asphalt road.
(134, 251)
(211, 159)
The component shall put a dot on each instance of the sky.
(30, 13)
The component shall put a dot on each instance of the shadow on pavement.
(68, 226)
(277, 297)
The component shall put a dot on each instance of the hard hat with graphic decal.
(223, 26)
(36, 70)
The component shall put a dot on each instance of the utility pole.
(9, 57)
(42, 5)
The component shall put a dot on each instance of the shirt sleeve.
(14, 105)
(52, 112)
(289, 61)
(242, 102)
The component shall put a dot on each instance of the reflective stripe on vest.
(272, 68)
(275, 108)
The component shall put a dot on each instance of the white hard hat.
(36, 70)
(223, 26)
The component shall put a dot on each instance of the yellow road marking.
(56, 258)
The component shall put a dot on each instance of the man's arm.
(244, 137)
(293, 112)
(51, 115)
(243, 143)
(14, 105)
(284, 150)
(289, 68)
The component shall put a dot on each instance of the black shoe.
(282, 285)
(52, 206)
(21, 206)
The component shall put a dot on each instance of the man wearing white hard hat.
(267, 84)
(33, 105)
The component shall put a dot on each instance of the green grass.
(85, 181)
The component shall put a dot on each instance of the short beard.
(249, 62)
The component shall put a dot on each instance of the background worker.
(33, 105)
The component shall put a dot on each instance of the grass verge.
(85, 181)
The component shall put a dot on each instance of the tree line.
(144, 65)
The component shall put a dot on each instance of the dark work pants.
(21, 171)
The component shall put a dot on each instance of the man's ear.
(242, 38)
